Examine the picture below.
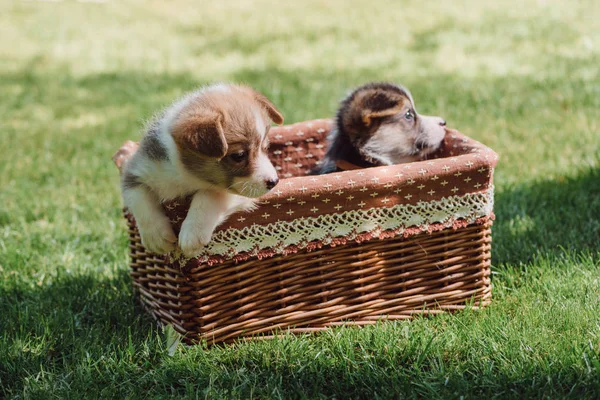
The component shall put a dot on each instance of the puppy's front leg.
(205, 213)
(154, 226)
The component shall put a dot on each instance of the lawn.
(79, 78)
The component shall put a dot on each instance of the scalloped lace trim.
(326, 228)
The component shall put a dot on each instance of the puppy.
(378, 125)
(211, 143)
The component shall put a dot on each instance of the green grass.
(77, 79)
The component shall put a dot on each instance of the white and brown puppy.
(211, 143)
(378, 125)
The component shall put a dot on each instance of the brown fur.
(200, 132)
(218, 124)
(362, 115)
(273, 112)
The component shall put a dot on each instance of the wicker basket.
(353, 247)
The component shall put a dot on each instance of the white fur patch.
(200, 222)
(264, 168)
(219, 87)
(154, 226)
(389, 145)
(433, 131)
(261, 128)
(256, 184)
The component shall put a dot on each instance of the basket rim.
(446, 192)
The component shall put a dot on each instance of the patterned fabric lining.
(285, 237)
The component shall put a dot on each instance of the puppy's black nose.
(443, 122)
(270, 183)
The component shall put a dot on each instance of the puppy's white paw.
(158, 236)
(193, 237)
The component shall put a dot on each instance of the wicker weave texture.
(356, 284)
(358, 279)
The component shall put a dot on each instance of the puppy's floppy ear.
(273, 112)
(202, 133)
(376, 103)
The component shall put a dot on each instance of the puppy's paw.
(158, 237)
(193, 237)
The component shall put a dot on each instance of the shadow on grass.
(72, 322)
(547, 218)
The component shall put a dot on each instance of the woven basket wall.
(354, 247)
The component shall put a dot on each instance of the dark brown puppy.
(378, 125)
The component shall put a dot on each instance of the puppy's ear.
(376, 103)
(272, 111)
(202, 133)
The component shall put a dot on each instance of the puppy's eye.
(409, 116)
(238, 157)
